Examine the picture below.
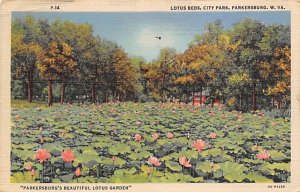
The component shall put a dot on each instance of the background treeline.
(246, 67)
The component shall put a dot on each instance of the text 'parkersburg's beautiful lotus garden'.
(147, 142)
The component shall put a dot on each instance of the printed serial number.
(276, 186)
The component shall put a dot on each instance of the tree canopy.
(245, 67)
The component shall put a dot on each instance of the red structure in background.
(198, 99)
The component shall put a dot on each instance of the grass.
(26, 104)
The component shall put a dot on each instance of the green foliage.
(104, 145)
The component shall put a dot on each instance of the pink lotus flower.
(154, 161)
(199, 144)
(68, 155)
(138, 123)
(77, 172)
(138, 137)
(263, 155)
(155, 136)
(42, 140)
(41, 129)
(32, 172)
(28, 165)
(170, 135)
(213, 135)
(184, 162)
(42, 155)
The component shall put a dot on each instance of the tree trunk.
(29, 88)
(62, 95)
(280, 102)
(201, 101)
(253, 97)
(93, 93)
(212, 100)
(241, 100)
(273, 101)
(50, 95)
(193, 99)
(106, 97)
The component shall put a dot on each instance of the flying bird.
(158, 37)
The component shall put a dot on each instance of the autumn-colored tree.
(124, 77)
(282, 75)
(276, 37)
(56, 63)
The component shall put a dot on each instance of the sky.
(136, 31)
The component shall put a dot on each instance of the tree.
(124, 78)
(246, 35)
(276, 37)
(282, 75)
(56, 63)
(80, 38)
(25, 51)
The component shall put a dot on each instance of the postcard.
(149, 96)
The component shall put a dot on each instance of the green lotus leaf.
(279, 166)
(16, 166)
(257, 148)
(56, 180)
(254, 161)
(19, 177)
(67, 178)
(175, 177)
(121, 148)
(277, 155)
(86, 157)
(189, 154)
(218, 174)
(182, 140)
(194, 179)
(265, 170)
(84, 180)
(138, 178)
(52, 146)
(214, 152)
(163, 141)
(100, 144)
(231, 167)
(117, 161)
(229, 146)
(140, 155)
(258, 178)
(207, 167)
(235, 177)
(135, 145)
(24, 154)
(174, 166)
(125, 172)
